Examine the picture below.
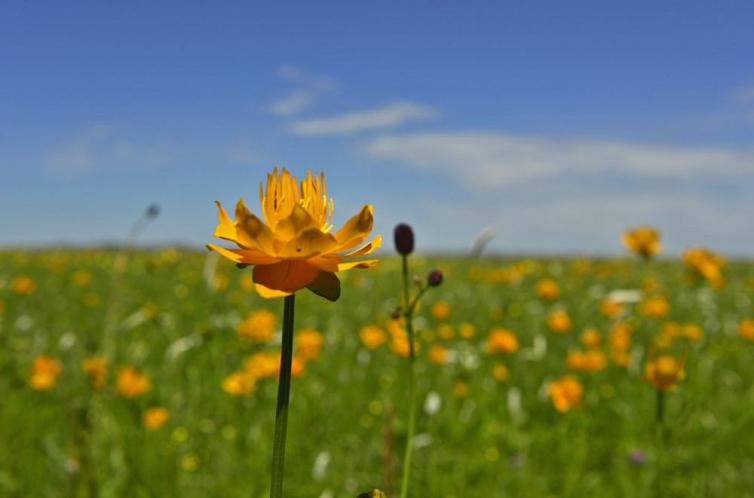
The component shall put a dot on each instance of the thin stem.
(661, 441)
(408, 314)
(284, 390)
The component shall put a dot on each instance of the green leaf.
(326, 285)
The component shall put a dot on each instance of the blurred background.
(558, 124)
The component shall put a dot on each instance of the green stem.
(408, 314)
(284, 390)
(661, 442)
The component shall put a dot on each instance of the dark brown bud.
(434, 278)
(403, 235)
(396, 313)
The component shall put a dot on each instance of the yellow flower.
(308, 344)
(500, 371)
(591, 339)
(610, 308)
(655, 307)
(293, 247)
(44, 373)
(620, 344)
(566, 393)
(548, 289)
(559, 322)
(239, 383)
(154, 418)
(23, 285)
(131, 383)
(441, 310)
(460, 389)
(445, 332)
(502, 340)
(663, 372)
(746, 329)
(587, 361)
(96, 369)
(437, 354)
(259, 326)
(81, 278)
(466, 330)
(706, 264)
(644, 241)
(262, 364)
(372, 336)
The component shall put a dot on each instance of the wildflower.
(460, 389)
(262, 364)
(637, 457)
(293, 247)
(441, 310)
(96, 369)
(610, 308)
(189, 462)
(434, 278)
(308, 344)
(258, 326)
(566, 393)
(23, 285)
(403, 236)
(706, 264)
(239, 383)
(746, 329)
(655, 307)
(644, 241)
(502, 340)
(547, 289)
(81, 278)
(154, 418)
(44, 372)
(500, 372)
(446, 332)
(131, 383)
(466, 330)
(437, 354)
(372, 336)
(586, 361)
(559, 322)
(620, 344)
(663, 372)
(591, 338)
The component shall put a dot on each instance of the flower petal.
(225, 229)
(252, 232)
(367, 263)
(356, 229)
(326, 262)
(287, 276)
(243, 256)
(268, 293)
(298, 221)
(309, 243)
(376, 243)
(326, 285)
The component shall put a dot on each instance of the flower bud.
(403, 235)
(434, 278)
(153, 211)
(396, 313)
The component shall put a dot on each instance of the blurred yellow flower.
(586, 361)
(656, 307)
(467, 330)
(96, 369)
(591, 338)
(308, 344)
(566, 393)
(446, 332)
(154, 418)
(460, 389)
(502, 340)
(706, 264)
(437, 354)
(23, 285)
(500, 371)
(293, 247)
(620, 344)
(547, 289)
(81, 278)
(559, 322)
(610, 309)
(644, 241)
(663, 372)
(262, 364)
(131, 383)
(372, 336)
(239, 383)
(441, 310)
(44, 372)
(258, 326)
(746, 329)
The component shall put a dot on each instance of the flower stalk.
(408, 316)
(283, 401)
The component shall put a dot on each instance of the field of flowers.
(153, 374)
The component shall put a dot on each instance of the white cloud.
(98, 147)
(388, 116)
(485, 161)
(310, 88)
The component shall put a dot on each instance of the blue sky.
(557, 123)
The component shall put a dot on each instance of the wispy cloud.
(309, 89)
(98, 147)
(387, 116)
(489, 160)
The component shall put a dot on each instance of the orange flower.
(262, 364)
(663, 372)
(547, 289)
(154, 418)
(441, 310)
(610, 308)
(566, 393)
(591, 339)
(655, 307)
(500, 371)
(746, 329)
(644, 241)
(44, 373)
(259, 326)
(308, 344)
(96, 369)
(587, 361)
(706, 264)
(372, 336)
(559, 322)
(293, 247)
(437, 354)
(131, 383)
(23, 285)
(239, 383)
(502, 340)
